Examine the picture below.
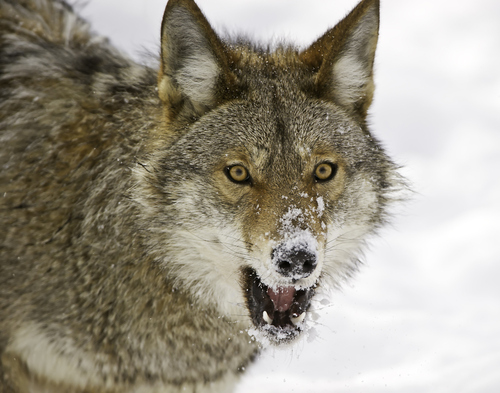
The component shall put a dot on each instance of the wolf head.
(265, 180)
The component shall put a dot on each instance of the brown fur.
(127, 254)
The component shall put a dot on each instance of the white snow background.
(423, 314)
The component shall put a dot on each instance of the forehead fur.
(276, 116)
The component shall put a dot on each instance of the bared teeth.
(267, 318)
(296, 319)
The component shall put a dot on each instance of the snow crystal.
(292, 234)
(321, 205)
(260, 336)
(268, 335)
(300, 239)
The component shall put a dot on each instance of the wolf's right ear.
(193, 61)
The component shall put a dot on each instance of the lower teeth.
(267, 318)
(298, 319)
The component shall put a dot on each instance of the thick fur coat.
(150, 219)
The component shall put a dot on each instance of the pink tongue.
(282, 297)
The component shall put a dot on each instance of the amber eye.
(325, 171)
(238, 174)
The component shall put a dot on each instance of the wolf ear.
(193, 63)
(343, 59)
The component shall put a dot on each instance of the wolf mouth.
(280, 311)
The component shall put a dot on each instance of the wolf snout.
(294, 263)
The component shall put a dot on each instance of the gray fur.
(122, 242)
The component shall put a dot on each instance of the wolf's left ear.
(343, 58)
(193, 61)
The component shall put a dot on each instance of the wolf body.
(149, 219)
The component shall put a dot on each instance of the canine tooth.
(267, 318)
(299, 319)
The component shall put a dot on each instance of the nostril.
(284, 266)
(309, 266)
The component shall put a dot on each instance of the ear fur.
(193, 62)
(344, 56)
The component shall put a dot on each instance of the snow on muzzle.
(296, 256)
(278, 302)
(294, 263)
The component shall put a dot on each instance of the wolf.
(160, 225)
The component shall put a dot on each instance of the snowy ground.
(423, 314)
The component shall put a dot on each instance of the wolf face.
(272, 179)
(151, 218)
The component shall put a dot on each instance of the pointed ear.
(343, 59)
(193, 62)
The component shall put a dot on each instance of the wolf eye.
(238, 174)
(325, 171)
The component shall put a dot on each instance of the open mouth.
(280, 312)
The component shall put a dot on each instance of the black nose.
(295, 263)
